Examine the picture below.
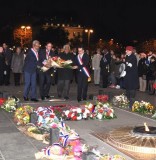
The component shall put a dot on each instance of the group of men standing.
(36, 57)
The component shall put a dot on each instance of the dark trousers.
(17, 78)
(63, 87)
(7, 75)
(105, 79)
(82, 86)
(1, 77)
(131, 97)
(44, 83)
(30, 84)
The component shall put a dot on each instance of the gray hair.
(35, 42)
(66, 47)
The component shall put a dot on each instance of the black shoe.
(59, 96)
(26, 99)
(47, 97)
(34, 99)
(151, 93)
(66, 98)
(43, 98)
(79, 100)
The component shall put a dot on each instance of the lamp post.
(25, 28)
(88, 31)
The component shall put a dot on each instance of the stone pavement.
(16, 146)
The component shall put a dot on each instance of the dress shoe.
(43, 98)
(47, 97)
(34, 99)
(66, 97)
(26, 99)
(79, 100)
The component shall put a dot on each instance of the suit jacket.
(85, 60)
(31, 62)
(42, 56)
(105, 63)
(131, 79)
(8, 56)
(65, 73)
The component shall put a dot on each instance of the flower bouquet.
(90, 107)
(121, 101)
(143, 107)
(102, 98)
(103, 111)
(76, 114)
(36, 133)
(46, 117)
(56, 62)
(10, 104)
(22, 115)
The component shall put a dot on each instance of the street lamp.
(25, 28)
(89, 31)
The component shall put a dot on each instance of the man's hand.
(75, 67)
(47, 65)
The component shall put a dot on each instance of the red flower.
(41, 113)
(69, 115)
(51, 116)
(54, 58)
(2, 100)
(154, 85)
(100, 110)
(74, 118)
(83, 110)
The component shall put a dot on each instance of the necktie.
(47, 54)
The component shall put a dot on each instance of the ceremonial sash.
(85, 70)
(35, 53)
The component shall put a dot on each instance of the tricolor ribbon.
(35, 53)
(84, 68)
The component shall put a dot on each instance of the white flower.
(73, 114)
(84, 115)
(67, 112)
(47, 119)
(87, 111)
(90, 105)
(79, 110)
(79, 117)
(105, 105)
(112, 115)
(74, 110)
(99, 116)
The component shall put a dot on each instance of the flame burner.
(140, 131)
(134, 141)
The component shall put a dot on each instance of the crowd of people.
(129, 70)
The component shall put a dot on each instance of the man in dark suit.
(30, 69)
(45, 77)
(82, 63)
(131, 78)
(105, 67)
(8, 58)
(65, 75)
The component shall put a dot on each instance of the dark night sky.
(123, 20)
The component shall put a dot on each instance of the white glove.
(123, 73)
(129, 64)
